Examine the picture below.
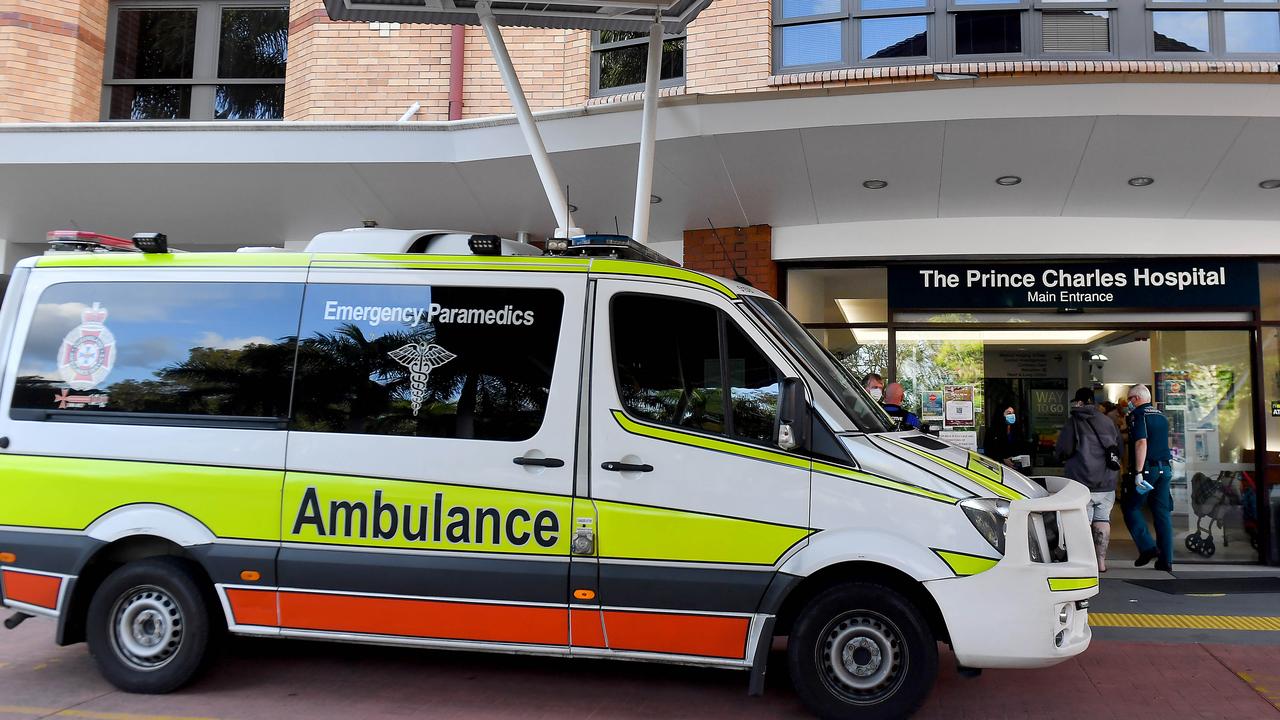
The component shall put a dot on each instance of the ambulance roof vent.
(431, 242)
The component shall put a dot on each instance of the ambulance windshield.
(835, 377)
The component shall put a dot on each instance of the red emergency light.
(82, 240)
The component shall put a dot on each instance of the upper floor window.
(196, 60)
(821, 34)
(618, 61)
(1214, 28)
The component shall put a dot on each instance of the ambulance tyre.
(862, 651)
(149, 626)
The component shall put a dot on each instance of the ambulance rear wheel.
(149, 626)
(862, 651)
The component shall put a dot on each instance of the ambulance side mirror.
(793, 415)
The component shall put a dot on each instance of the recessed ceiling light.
(1141, 181)
(1271, 184)
(955, 76)
(654, 199)
(573, 208)
(875, 184)
(1008, 180)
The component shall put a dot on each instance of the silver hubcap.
(862, 657)
(146, 628)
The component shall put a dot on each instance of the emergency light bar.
(81, 241)
(615, 246)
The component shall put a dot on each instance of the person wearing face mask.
(1005, 438)
(874, 384)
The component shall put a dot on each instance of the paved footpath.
(286, 679)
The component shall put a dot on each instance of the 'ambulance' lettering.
(423, 523)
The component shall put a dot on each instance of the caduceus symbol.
(421, 359)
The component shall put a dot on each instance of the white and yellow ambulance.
(452, 441)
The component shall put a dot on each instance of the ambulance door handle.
(539, 462)
(4, 443)
(626, 467)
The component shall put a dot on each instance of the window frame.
(1024, 24)
(1215, 10)
(597, 48)
(723, 320)
(1040, 7)
(929, 11)
(1123, 42)
(204, 80)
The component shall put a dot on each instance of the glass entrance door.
(967, 384)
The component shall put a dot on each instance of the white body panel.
(684, 477)
(1008, 616)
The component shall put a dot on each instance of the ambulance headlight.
(988, 515)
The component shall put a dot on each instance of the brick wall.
(728, 49)
(51, 54)
(749, 253)
(360, 71)
(363, 71)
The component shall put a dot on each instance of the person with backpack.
(1090, 444)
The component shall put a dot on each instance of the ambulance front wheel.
(149, 626)
(862, 651)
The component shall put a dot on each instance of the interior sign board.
(1134, 283)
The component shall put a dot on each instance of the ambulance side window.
(676, 361)
(667, 354)
(426, 361)
(217, 350)
(754, 387)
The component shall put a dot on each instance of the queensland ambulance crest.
(88, 352)
(421, 358)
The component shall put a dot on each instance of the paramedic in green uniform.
(1149, 458)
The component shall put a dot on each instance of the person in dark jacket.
(1005, 439)
(893, 397)
(1084, 443)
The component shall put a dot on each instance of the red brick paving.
(280, 679)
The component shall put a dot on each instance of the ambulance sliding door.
(697, 505)
(430, 470)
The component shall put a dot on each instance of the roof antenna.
(737, 276)
(616, 230)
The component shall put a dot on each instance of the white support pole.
(546, 173)
(648, 135)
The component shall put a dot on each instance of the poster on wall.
(931, 405)
(958, 405)
(967, 439)
(1175, 394)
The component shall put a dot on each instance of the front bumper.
(1012, 615)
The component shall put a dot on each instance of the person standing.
(874, 385)
(1005, 439)
(1086, 442)
(893, 397)
(1149, 459)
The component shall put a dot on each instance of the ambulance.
(455, 441)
